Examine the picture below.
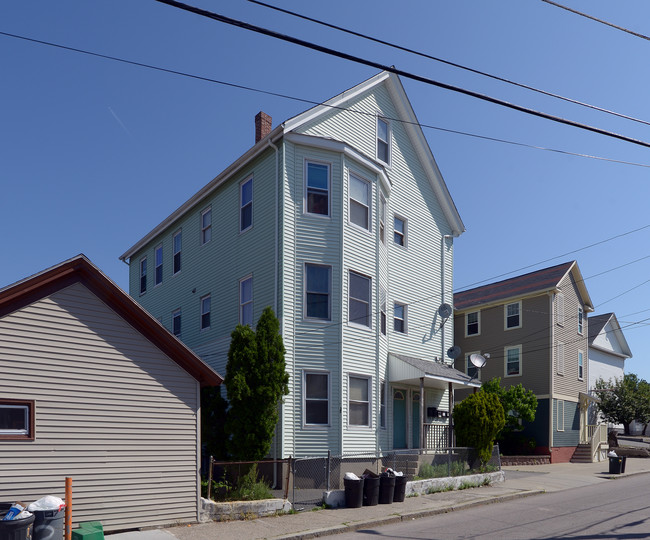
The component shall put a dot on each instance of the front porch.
(593, 445)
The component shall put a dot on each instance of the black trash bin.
(371, 491)
(386, 488)
(16, 529)
(400, 489)
(623, 463)
(353, 492)
(48, 524)
(616, 464)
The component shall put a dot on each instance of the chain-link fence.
(303, 480)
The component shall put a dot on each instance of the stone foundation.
(229, 511)
(525, 460)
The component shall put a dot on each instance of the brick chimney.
(262, 126)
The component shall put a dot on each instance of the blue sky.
(94, 153)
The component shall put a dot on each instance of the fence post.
(329, 468)
(210, 478)
(449, 461)
(286, 489)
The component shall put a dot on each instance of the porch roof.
(409, 370)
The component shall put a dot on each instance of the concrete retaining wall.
(229, 511)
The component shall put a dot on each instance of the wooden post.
(68, 508)
(286, 489)
(210, 478)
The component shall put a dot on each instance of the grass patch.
(439, 489)
(455, 468)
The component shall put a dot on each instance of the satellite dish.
(477, 360)
(445, 311)
(454, 352)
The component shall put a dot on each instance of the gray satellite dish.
(453, 352)
(445, 311)
(477, 360)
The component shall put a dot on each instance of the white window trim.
(156, 265)
(581, 321)
(368, 378)
(305, 292)
(505, 360)
(368, 185)
(505, 316)
(406, 231)
(467, 363)
(559, 358)
(179, 252)
(559, 309)
(28, 408)
(241, 205)
(140, 276)
(242, 304)
(202, 313)
(370, 313)
(559, 418)
(203, 229)
(581, 354)
(329, 189)
(383, 209)
(179, 313)
(383, 406)
(478, 321)
(406, 310)
(389, 134)
(316, 427)
(383, 315)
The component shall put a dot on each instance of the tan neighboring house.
(534, 328)
(95, 389)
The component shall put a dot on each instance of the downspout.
(342, 385)
(553, 347)
(378, 382)
(443, 292)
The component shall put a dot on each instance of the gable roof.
(533, 283)
(597, 324)
(406, 116)
(80, 270)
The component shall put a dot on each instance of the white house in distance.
(608, 350)
(340, 220)
(95, 389)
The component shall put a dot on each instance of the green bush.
(478, 419)
(249, 488)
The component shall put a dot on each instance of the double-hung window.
(580, 320)
(513, 361)
(317, 187)
(399, 317)
(176, 322)
(383, 140)
(316, 405)
(205, 312)
(513, 315)
(246, 301)
(246, 205)
(177, 241)
(472, 324)
(399, 231)
(206, 225)
(382, 310)
(359, 402)
(359, 202)
(318, 291)
(159, 265)
(581, 366)
(360, 306)
(16, 419)
(143, 275)
(382, 405)
(382, 219)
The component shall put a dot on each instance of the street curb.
(390, 520)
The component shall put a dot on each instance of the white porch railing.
(597, 438)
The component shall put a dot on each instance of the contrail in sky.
(120, 123)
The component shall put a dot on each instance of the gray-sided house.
(340, 220)
(95, 389)
(534, 327)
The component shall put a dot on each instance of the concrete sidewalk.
(521, 481)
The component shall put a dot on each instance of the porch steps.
(582, 454)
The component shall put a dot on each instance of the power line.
(426, 80)
(601, 21)
(447, 62)
(314, 103)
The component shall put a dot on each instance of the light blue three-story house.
(341, 221)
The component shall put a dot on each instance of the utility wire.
(377, 65)
(316, 103)
(622, 29)
(447, 62)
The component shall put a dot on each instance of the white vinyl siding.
(112, 412)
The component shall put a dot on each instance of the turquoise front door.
(399, 419)
(415, 416)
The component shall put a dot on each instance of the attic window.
(383, 140)
(16, 419)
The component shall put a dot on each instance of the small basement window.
(16, 419)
